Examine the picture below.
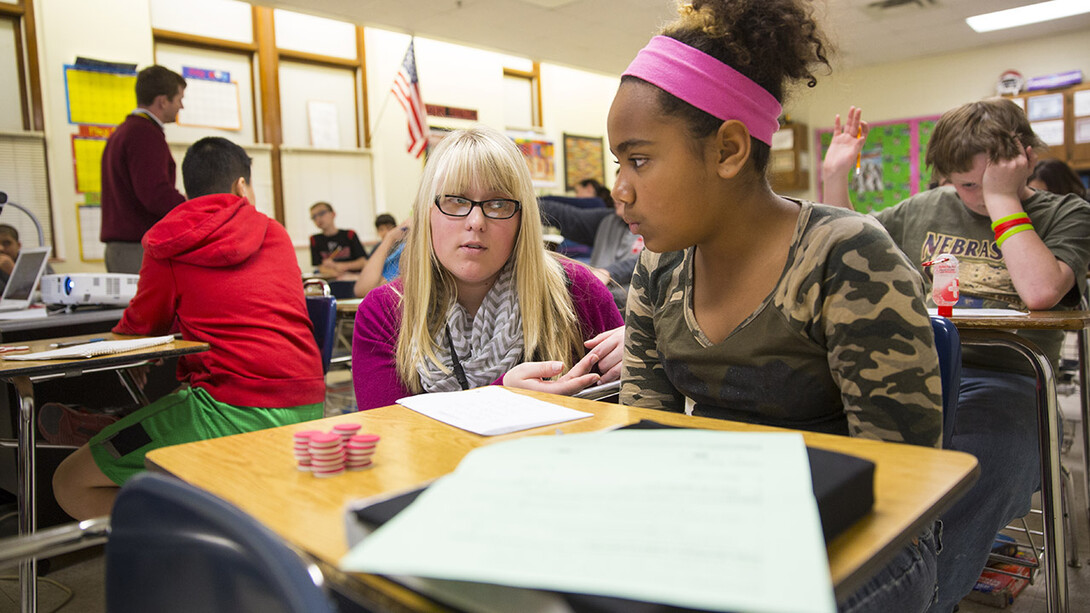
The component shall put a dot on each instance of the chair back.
(323, 317)
(948, 345)
(174, 547)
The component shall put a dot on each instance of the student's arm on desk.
(1041, 278)
(151, 310)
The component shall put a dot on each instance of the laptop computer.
(29, 266)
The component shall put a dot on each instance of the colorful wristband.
(1011, 217)
(1011, 232)
(1007, 225)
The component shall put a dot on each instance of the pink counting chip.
(304, 435)
(369, 439)
(342, 428)
(324, 439)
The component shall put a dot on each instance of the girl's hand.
(533, 375)
(609, 347)
(846, 145)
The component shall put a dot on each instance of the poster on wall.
(892, 165)
(211, 100)
(99, 95)
(540, 157)
(325, 130)
(584, 158)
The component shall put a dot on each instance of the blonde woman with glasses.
(479, 300)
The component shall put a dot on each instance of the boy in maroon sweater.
(224, 274)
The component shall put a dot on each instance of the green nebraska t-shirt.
(936, 221)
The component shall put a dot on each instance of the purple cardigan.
(378, 322)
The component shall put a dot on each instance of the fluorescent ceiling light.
(1025, 15)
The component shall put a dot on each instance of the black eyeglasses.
(496, 208)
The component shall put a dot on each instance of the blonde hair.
(481, 158)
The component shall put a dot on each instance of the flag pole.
(386, 98)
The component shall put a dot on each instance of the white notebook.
(90, 350)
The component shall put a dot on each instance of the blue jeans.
(997, 423)
(906, 584)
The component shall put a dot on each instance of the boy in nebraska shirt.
(225, 274)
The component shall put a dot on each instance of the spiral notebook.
(90, 350)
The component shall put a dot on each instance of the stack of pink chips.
(360, 449)
(301, 448)
(328, 454)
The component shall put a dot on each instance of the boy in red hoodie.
(227, 275)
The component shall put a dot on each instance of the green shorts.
(182, 417)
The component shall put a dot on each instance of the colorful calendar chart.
(211, 100)
(99, 96)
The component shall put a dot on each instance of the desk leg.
(25, 474)
(1056, 594)
(1084, 397)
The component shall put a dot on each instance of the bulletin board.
(87, 159)
(892, 165)
(584, 158)
(540, 157)
(99, 96)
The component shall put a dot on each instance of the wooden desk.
(256, 471)
(998, 332)
(21, 375)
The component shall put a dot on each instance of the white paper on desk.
(90, 350)
(960, 312)
(693, 518)
(490, 410)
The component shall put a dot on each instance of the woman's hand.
(533, 375)
(609, 347)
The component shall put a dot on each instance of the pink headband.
(708, 84)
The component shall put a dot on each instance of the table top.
(256, 471)
(1035, 320)
(348, 306)
(32, 368)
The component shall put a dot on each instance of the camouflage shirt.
(843, 344)
(936, 221)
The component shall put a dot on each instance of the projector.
(86, 288)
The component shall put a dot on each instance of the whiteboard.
(11, 118)
(301, 83)
(238, 65)
(342, 178)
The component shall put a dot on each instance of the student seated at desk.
(1017, 248)
(334, 251)
(9, 252)
(748, 305)
(479, 300)
(384, 263)
(614, 248)
(225, 274)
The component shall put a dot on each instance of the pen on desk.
(74, 343)
(9, 348)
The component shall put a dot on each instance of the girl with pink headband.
(747, 305)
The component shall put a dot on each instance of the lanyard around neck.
(459, 372)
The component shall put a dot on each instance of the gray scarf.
(487, 345)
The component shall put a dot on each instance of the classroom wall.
(931, 85)
(66, 29)
(574, 101)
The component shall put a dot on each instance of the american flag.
(407, 91)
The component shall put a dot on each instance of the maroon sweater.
(138, 175)
(227, 275)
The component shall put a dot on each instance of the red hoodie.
(227, 275)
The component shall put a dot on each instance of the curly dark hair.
(771, 42)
